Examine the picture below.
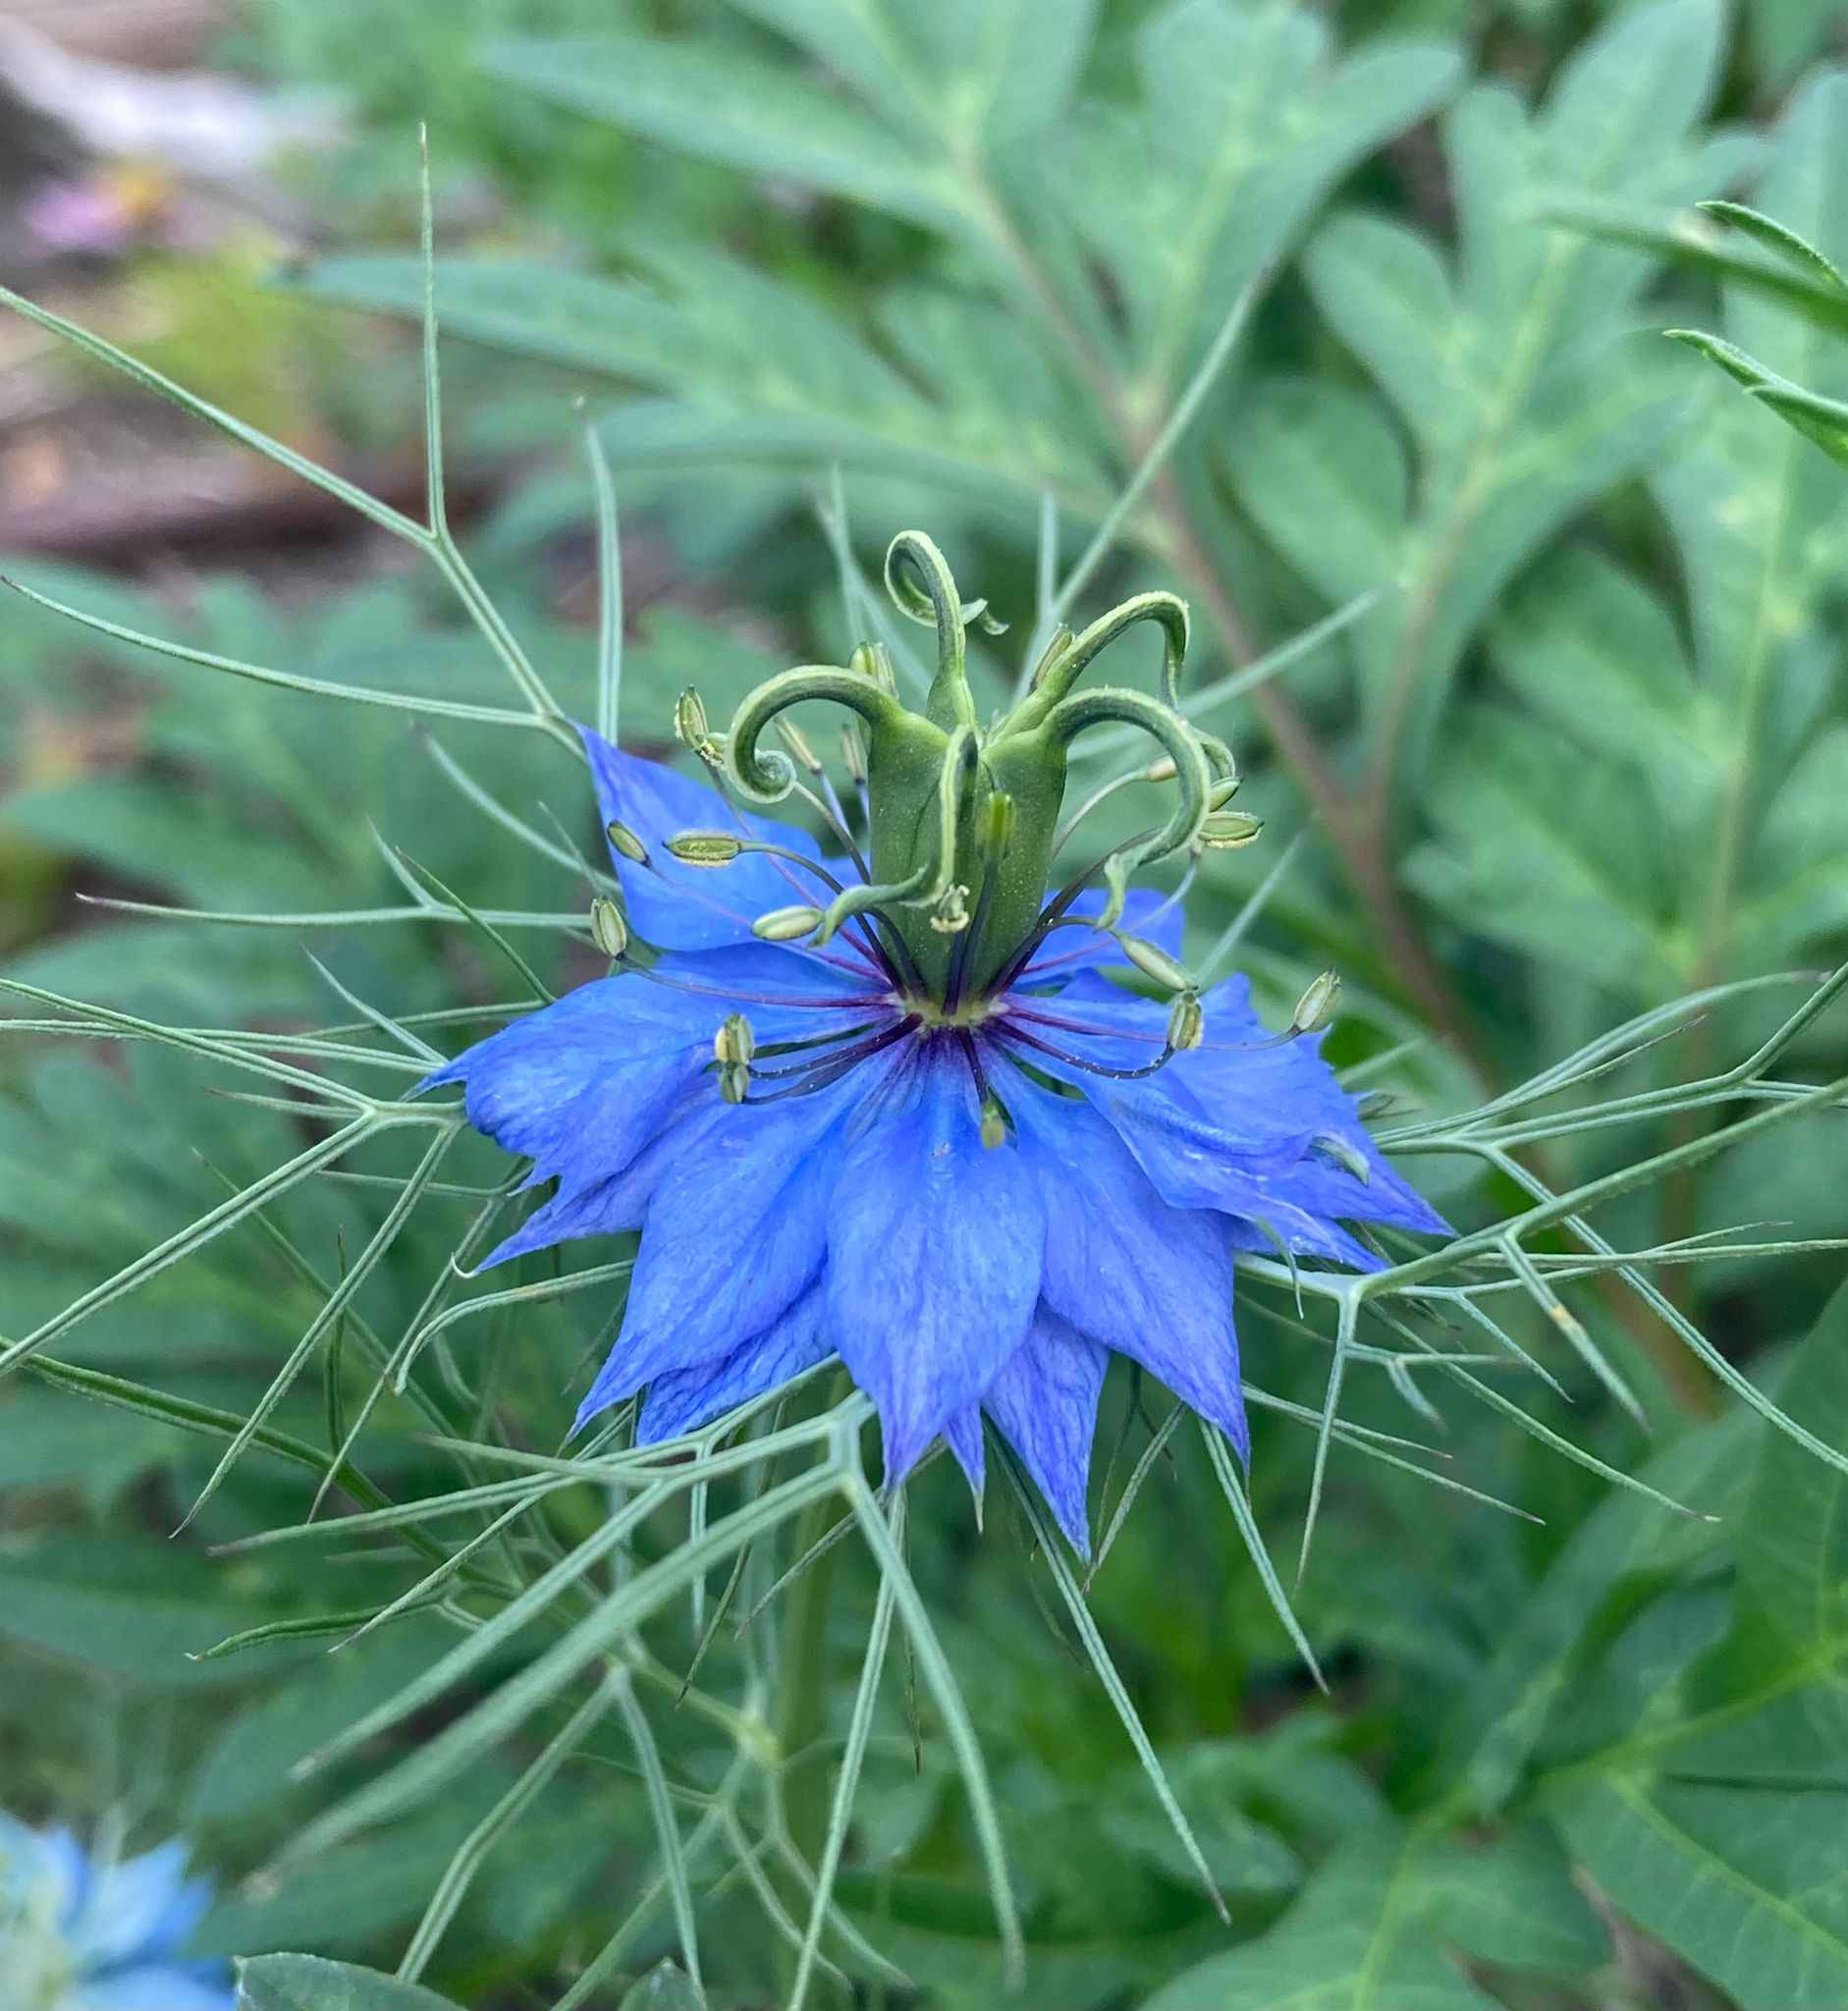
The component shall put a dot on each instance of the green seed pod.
(787, 924)
(1186, 1023)
(1315, 1010)
(608, 928)
(626, 842)
(1225, 831)
(704, 847)
(1155, 962)
(735, 1044)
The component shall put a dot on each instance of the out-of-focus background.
(820, 271)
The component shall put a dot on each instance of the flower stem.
(802, 1713)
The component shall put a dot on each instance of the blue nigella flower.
(885, 1103)
(100, 1933)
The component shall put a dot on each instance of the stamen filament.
(823, 1074)
(1014, 1033)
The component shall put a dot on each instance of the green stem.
(801, 1708)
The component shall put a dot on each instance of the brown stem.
(1357, 840)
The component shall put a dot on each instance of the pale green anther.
(873, 660)
(1222, 792)
(735, 1082)
(626, 842)
(1161, 768)
(994, 1122)
(705, 847)
(1315, 1010)
(1056, 645)
(1186, 1023)
(853, 753)
(794, 738)
(787, 924)
(734, 1045)
(949, 915)
(1155, 962)
(1225, 831)
(1332, 1145)
(607, 929)
(690, 719)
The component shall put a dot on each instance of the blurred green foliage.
(1583, 754)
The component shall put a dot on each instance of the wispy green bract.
(1607, 789)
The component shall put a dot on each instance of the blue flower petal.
(684, 1399)
(1043, 1403)
(140, 1906)
(580, 1086)
(1151, 1281)
(1294, 1075)
(692, 907)
(163, 1987)
(933, 1257)
(963, 1433)
(619, 1202)
(734, 1232)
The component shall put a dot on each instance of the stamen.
(856, 966)
(822, 1074)
(1010, 1032)
(820, 1040)
(608, 930)
(1315, 1010)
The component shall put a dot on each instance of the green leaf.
(1583, 887)
(1793, 1543)
(1511, 1900)
(1787, 244)
(305, 1983)
(725, 106)
(1359, 1940)
(49, 1440)
(1716, 1819)
(1744, 1882)
(1513, 367)
(1688, 239)
(120, 1605)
